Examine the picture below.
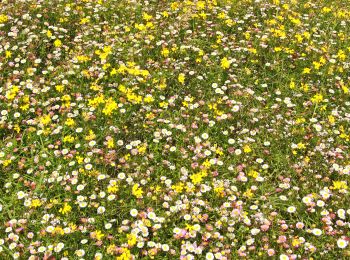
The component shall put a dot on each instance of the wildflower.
(342, 243)
(98, 235)
(8, 54)
(133, 212)
(317, 232)
(65, 209)
(165, 52)
(306, 71)
(131, 239)
(126, 255)
(317, 98)
(291, 209)
(35, 203)
(181, 78)
(57, 43)
(247, 149)
(284, 257)
(225, 63)
(338, 185)
(137, 191)
(3, 18)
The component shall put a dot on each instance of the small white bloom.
(342, 243)
(291, 209)
(151, 215)
(205, 136)
(238, 151)
(235, 108)
(88, 166)
(209, 256)
(165, 247)
(317, 231)
(80, 187)
(101, 210)
(284, 257)
(133, 212)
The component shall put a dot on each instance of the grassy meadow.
(163, 129)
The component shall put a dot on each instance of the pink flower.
(265, 227)
(284, 226)
(271, 252)
(299, 225)
(281, 239)
(231, 150)
(240, 167)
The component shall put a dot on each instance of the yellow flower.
(197, 177)
(317, 98)
(165, 52)
(248, 193)
(99, 235)
(137, 191)
(84, 20)
(162, 84)
(134, 98)
(181, 78)
(59, 88)
(35, 203)
(70, 122)
(220, 191)
(178, 187)
(65, 209)
(306, 71)
(326, 10)
(6, 163)
(301, 145)
(142, 149)
(68, 139)
(17, 128)
(79, 159)
(292, 84)
(8, 54)
(339, 185)
(331, 119)
(146, 16)
(225, 63)
(91, 136)
(82, 58)
(253, 174)
(45, 120)
(58, 230)
(131, 239)
(317, 65)
(57, 43)
(296, 242)
(112, 189)
(3, 18)
(110, 106)
(247, 149)
(110, 143)
(12, 93)
(278, 49)
(125, 255)
(148, 99)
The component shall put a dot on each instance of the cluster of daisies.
(163, 129)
